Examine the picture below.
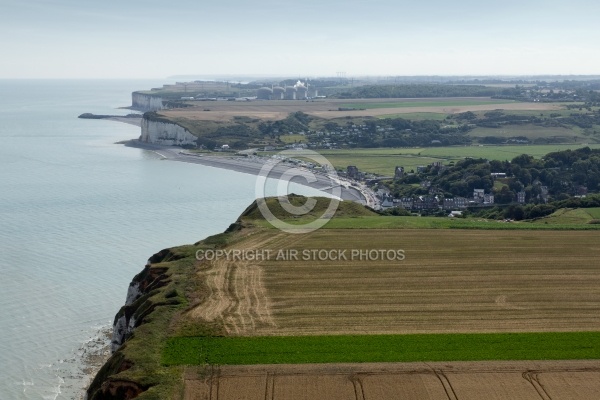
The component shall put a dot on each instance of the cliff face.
(141, 301)
(146, 102)
(165, 133)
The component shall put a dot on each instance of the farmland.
(426, 103)
(531, 132)
(525, 281)
(296, 329)
(381, 348)
(382, 161)
(521, 380)
(224, 111)
(297, 326)
(400, 123)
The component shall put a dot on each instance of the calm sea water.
(79, 217)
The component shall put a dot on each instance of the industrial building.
(300, 91)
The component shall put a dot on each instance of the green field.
(377, 163)
(296, 138)
(454, 102)
(593, 212)
(380, 348)
(499, 152)
(382, 161)
(566, 216)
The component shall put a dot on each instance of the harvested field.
(451, 281)
(222, 111)
(515, 380)
(570, 385)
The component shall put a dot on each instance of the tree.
(515, 212)
(331, 126)
(515, 185)
(504, 196)
(523, 160)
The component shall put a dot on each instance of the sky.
(158, 39)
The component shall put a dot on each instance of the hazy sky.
(156, 39)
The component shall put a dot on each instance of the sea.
(80, 215)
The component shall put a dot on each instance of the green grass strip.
(381, 348)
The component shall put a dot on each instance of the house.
(381, 192)
(387, 201)
(426, 203)
(433, 190)
(461, 202)
(399, 173)
(544, 193)
(521, 197)
(407, 203)
(449, 204)
(488, 198)
(352, 172)
(454, 203)
(498, 175)
(478, 195)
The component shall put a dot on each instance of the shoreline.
(253, 166)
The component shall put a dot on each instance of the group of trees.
(532, 211)
(565, 91)
(458, 180)
(400, 132)
(563, 174)
(295, 122)
(396, 132)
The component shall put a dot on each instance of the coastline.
(252, 166)
(350, 191)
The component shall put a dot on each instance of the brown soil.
(515, 380)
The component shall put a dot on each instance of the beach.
(253, 165)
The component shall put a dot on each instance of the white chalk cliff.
(167, 134)
(146, 102)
